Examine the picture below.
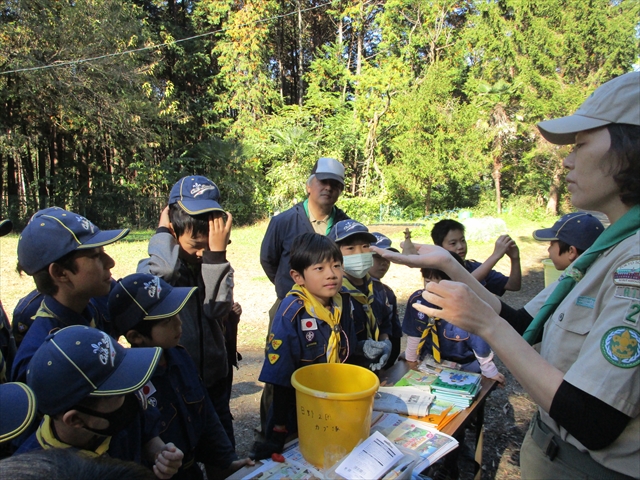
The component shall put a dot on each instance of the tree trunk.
(43, 156)
(554, 189)
(300, 56)
(496, 174)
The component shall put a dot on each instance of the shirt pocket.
(578, 320)
(455, 334)
(313, 350)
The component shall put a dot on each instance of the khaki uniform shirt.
(594, 337)
(319, 226)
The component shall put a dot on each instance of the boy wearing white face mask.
(354, 240)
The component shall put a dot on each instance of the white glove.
(372, 349)
(383, 358)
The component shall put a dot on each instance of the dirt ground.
(508, 410)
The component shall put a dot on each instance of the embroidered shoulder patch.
(621, 347)
(270, 338)
(587, 302)
(273, 358)
(628, 274)
(631, 293)
(276, 344)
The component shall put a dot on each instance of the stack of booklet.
(456, 387)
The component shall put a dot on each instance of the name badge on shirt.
(587, 302)
(309, 324)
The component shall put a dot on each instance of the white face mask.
(359, 264)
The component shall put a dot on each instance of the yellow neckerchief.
(330, 316)
(435, 342)
(366, 301)
(47, 440)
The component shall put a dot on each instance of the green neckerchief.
(332, 216)
(626, 226)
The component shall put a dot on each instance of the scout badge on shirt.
(270, 338)
(621, 347)
(628, 274)
(309, 324)
(276, 344)
(273, 358)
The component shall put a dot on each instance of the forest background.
(430, 105)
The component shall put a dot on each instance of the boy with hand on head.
(354, 240)
(449, 234)
(145, 309)
(88, 388)
(64, 253)
(189, 250)
(385, 303)
(312, 325)
(445, 341)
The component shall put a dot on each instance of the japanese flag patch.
(309, 324)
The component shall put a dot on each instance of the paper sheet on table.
(403, 400)
(371, 459)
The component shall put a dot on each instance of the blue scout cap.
(347, 228)
(79, 361)
(579, 229)
(383, 242)
(17, 409)
(53, 232)
(5, 227)
(195, 195)
(143, 296)
(328, 169)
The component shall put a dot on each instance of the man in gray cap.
(318, 213)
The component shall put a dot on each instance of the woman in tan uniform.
(586, 378)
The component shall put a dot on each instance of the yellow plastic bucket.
(551, 274)
(334, 403)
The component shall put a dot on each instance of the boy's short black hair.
(310, 248)
(442, 228)
(42, 279)
(563, 247)
(354, 239)
(144, 327)
(182, 222)
(434, 273)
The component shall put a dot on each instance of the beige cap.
(617, 101)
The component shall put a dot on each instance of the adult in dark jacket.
(318, 213)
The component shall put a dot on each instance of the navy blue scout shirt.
(276, 244)
(25, 311)
(456, 344)
(385, 307)
(52, 315)
(187, 416)
(297, 339)
(494, 281)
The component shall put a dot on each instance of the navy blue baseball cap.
(327, 168)
(17, 410)
(383, 242)
(5, 227)
(347, 228)
(195, 195)
(143, 296)
(53, 232)
(78, 361)
(579, 229)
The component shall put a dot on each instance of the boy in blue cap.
(145, 309)
(354, 240)
(570, 237)
(312, 325)
(64, 253)
(385, 303)
(88, 388)
(17, 413)
(189, 250)
(7, 340)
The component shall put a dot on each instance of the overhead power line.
(157, 46)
